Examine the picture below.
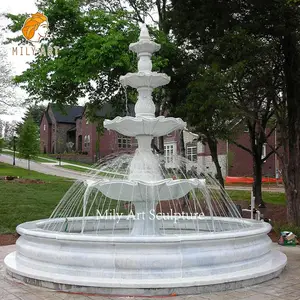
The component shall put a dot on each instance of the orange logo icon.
(35, 28)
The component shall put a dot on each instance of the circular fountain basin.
(179, 261)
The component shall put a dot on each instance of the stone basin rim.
(254, 228)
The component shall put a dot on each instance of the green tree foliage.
(35, 112)
(272, 22)
(28, 141)
(93, 38)
(1, 144)
(208, 111)
(93, 53)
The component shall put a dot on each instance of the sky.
(18, 63)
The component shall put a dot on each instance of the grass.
(37, 159)
(8, 170)
(21, 202)
(268, 197)
(279, 227)
(75, 168)
(46, 158)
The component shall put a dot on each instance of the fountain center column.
(145, 167)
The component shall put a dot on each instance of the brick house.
(240, 162)
(96, 146)
(199, 156)
(234, 161)
(57, 128)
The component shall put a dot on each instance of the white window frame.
(87, 141)
(44, 127)
(170, 150)
(191, 152)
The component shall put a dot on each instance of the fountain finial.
(144, 34)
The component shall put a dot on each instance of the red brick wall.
(240, 161)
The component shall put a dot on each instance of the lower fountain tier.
(130, 190)
(133, 126)
(144, 79)
(146, 266)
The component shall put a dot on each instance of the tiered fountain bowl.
(136, 227)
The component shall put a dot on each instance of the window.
(44, 127)
(264, 151)
(124, 141)
(87, 141)
(169, 153)
(191, 152)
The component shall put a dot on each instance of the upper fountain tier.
(144, 81)
(144, 77)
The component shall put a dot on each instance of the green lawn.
(38, 159)
(46, 158)
(21, 202)
(9, 170)
(268, 197)
(75, 168)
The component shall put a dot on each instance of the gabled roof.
(68, 115)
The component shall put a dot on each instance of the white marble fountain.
(92, 244)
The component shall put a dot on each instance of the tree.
(93, 53)
(35, 112)
(9, 132)
(93, 37)
(7, 90)
(208, 111)
(28, 141)
(1, 144)
(254, 78)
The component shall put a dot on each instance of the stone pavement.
(287, 286)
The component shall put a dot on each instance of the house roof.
(48, 117)
(72, 129)
(108, 111)
(68, 115)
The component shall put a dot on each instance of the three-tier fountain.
(138, 227)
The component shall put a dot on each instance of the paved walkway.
(287, 286)
(46, 168)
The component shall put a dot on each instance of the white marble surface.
(133, 126)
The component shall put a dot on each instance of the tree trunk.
(182, 145)
(28, 164)
(213, 147)
(292, 172)
(257, 181)
(161, 144)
